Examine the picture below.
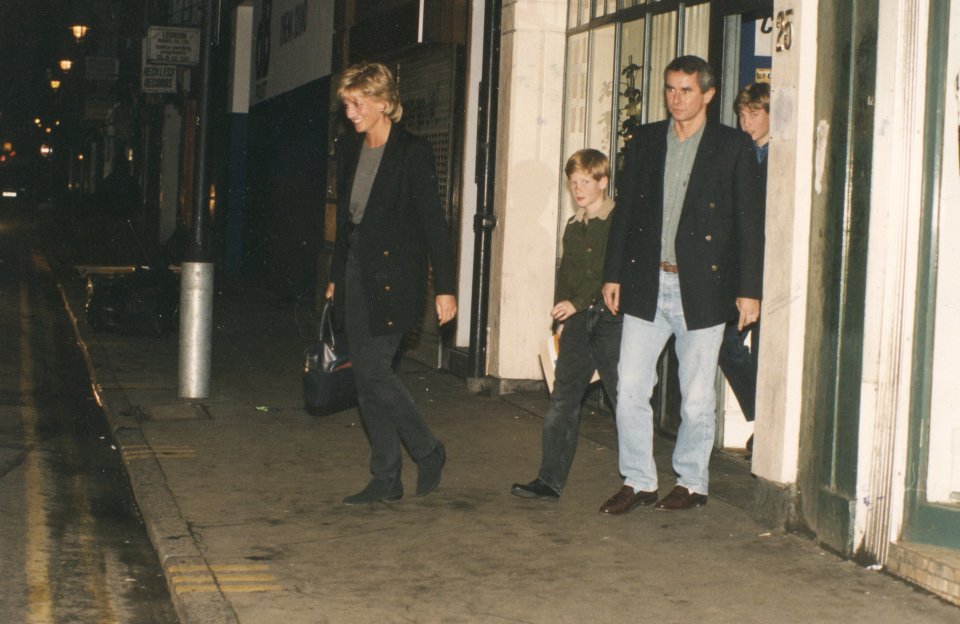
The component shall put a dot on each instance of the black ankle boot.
(377, 490)
(429, 469)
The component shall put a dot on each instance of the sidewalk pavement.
(240, 494)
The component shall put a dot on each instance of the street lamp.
(79, 31)
(54, 84)
(65, 65)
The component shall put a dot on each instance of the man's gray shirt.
(676, 176)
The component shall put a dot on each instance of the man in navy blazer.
(685, 255)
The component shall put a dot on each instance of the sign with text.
(97, 109)
(159, 79)
(293, 45)
(105, 68)
(173, 46)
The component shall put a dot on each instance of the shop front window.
(630, 103)
(575, 104)
(615, 71)
(696, 30)
(600, 91)
(663, 49)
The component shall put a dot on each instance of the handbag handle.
(326, 324)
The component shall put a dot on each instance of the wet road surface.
(74, 548)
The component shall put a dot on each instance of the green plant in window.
(632, 98)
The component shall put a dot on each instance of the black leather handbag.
(328, 385)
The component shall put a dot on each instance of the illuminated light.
(79, 156)
(212, 207)
(3, 158)
(13, 153)
(79, 31)
(36, 121)
(10, 194)
(129, 154)
(46, 150)
(54, 84)
(66, 64)
(7, 146)
(56, 123)
(48, 129)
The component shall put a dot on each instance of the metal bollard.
(196, 329)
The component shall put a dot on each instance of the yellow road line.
(227, 578)
(242, 578)
(224, 567)
(187, 589)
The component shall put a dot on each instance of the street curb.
(168, 531)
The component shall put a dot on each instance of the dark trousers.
(390, 415)
(590, 341)
(739, 364)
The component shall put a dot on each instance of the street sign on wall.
(293, 45)
(105, 68)
(159, 79)
(173, 46)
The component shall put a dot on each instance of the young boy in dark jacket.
(589, 334)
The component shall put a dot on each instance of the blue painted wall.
(286, 181)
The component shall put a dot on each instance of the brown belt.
(669, 268)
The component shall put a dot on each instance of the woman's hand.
(563, 310)
(446, 308)
(329, 295)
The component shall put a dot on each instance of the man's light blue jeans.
(697, 353)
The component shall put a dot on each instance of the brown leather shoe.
(681, 498)
(626, 499)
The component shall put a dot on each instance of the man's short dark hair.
(689, 65)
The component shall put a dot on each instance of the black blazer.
(720, 237)
(403, 229)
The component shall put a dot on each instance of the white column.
(790, 170)
(527, 183)
(895, 211)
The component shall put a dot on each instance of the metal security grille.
(428, 85)
(429, 82)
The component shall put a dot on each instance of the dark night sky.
(32, 35)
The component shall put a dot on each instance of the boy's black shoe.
(535, 489)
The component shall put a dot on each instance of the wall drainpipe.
(485, 220)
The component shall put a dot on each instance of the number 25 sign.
(784, 30)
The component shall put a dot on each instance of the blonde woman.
(390, 229)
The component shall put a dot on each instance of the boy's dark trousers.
(590, 342)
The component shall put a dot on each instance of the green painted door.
(926, 522)
(846, 67)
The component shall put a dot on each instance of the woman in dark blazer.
(390, 228)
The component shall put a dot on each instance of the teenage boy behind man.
(737, 361)
(590, 336)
